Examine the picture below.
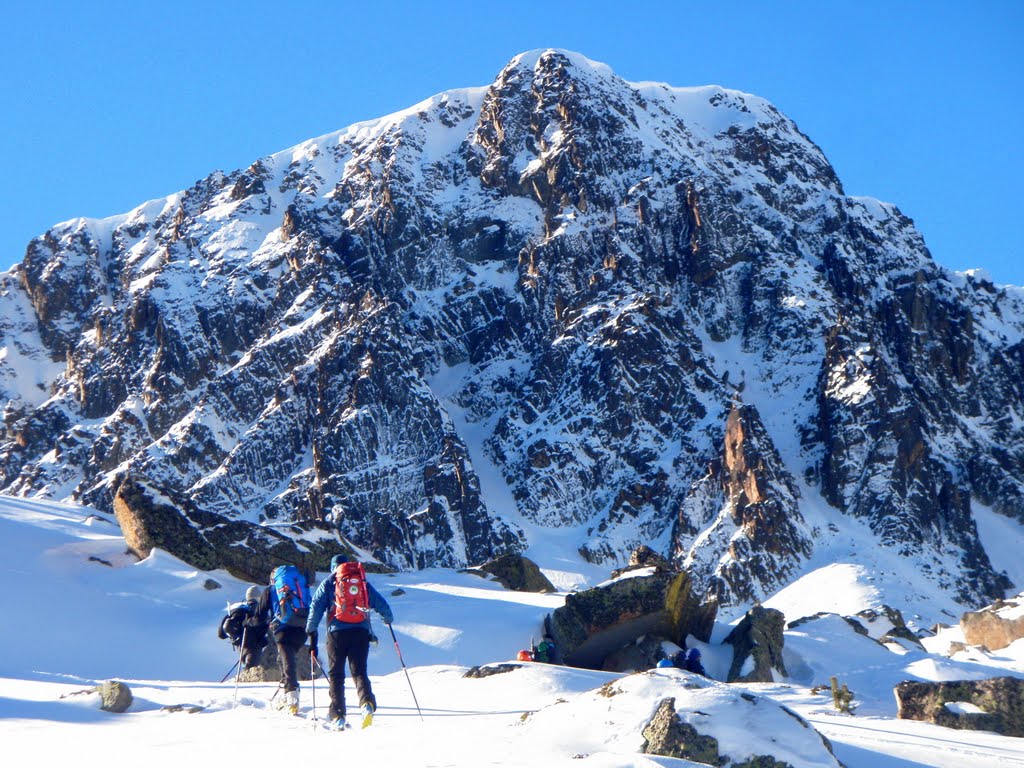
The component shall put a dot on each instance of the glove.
(313, 637)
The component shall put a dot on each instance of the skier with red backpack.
(350, 597)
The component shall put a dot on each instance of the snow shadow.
(84, 710)
(851, 755)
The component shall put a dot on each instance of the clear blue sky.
(108, 104)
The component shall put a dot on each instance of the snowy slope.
(152, 624)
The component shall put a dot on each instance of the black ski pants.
(352, 645)
(289, 640)
(254, 640)
(251, 655)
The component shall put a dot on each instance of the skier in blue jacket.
(346, 640)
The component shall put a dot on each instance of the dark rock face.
(646, 313)
(995, 705)
(150, 518)
(518, 573)
(757, 513)
(597, 623)
(757, 637)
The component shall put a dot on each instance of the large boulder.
(757, 647)
(598, 622)
(996, 704)
(152, 517)
(517, 573)
(995, 626)
(115, 696)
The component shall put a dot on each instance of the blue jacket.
(323, 598)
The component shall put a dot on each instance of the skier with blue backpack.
(284, 605)
(349, 597)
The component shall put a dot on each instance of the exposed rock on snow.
(996, 625)
(675, 714)
(598, 622)
(518, 573)
(668, 736)
(489, 670)
(150, 519)
(995, 705)
(116, 696)
(887, 625)
(759, 522)
(757, 643)
(643, 557)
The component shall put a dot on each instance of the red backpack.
(351, 596)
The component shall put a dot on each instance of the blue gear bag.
(292, 590)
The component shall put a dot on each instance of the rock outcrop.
(676, 715)
(757, 643)
(643, 557)
(887, 625)
(668, 736)
(758, 519)
(994, 705)
(996, 625)
(151, 518)
(599, 622)
(517, 573)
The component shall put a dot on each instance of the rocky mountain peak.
(643, 313)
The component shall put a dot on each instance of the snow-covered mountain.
(561, 306)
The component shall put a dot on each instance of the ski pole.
(241, 650)
(404, 669)
(312, 682)
(323, 672)
(229, 672)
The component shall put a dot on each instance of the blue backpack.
(292, 592)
